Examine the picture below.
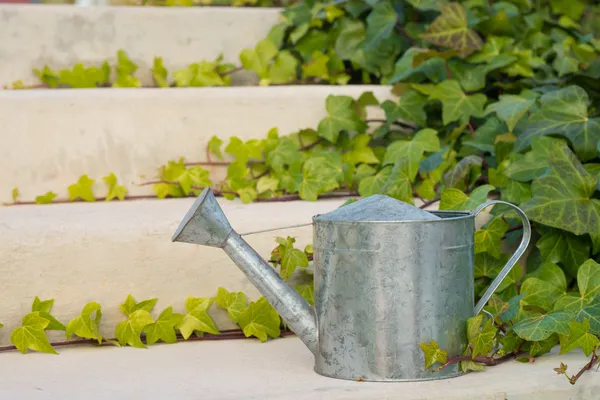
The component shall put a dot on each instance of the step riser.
(60, 36)
(51, 138)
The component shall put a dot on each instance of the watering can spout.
(206, 224)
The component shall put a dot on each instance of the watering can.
(387, 276)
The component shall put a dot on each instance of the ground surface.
(247, 369)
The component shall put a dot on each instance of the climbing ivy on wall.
(495, 99)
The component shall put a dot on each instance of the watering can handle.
(513, 260)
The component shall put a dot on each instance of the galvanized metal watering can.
(387, 277)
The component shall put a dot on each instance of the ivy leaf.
(455, 199)
(82, 189)
(541, 326)
(410, 107)
(562, 197)
(197, 318)
(114, 190)
(510, 108)
(533, 164)
(342, 116)
(433, 354)
(45, 199)
(424, 5)
(15, 195)
(473, 77)
(163, 328)
(588, 279)
(424, 140)
(267, 184)
(550, 273)
(320, 175)
(514, 305)
(481, 339)
(260, 320)
(214, 146)
(450, 29)
(540, 293)
(283, 69)
(31, 335)
(234, 302)
(84, 326)
(125, 70)
(285, 153)
(307, 292)
(130, 306)
(456, 105)
(489, 239)
(399, 183)
(258, 59)
(159, 73)
(361, 152)
(128, 332)
(581, 308)
(564, 112)
(380, 24)
(44, 307)
(290, 257)
(540, 347)
(373, 184)
(557, 246)
(579, 336)
(82, 77)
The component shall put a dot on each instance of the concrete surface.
(60, 36)
(82, 252)
(247, 369)
(51, 137)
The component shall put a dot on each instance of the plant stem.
(587, 367)
(401, 29)
(428, 203)
(23, 203)
(489, 361)
(233, 71)
(397, 123)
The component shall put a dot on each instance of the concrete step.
(281, 369)
(35, 35)
(82, 252)
(51, 137)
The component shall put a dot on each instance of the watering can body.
(382, 285)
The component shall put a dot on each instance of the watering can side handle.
(513, 260)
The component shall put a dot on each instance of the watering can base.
(451, 372)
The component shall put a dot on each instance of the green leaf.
(541, 326)
(234, 302)
(380, 24)
(342, 116)
(290, 257)
(481, 338)
(490, 238)
(214, 146)
(160, 73)
(424, 140)
(114, 189)
(128, 332)
(307, 292)
(410, 107)
(82, 189)
(373, 184)
(283, 69)
(562, 197)
(579, 336)
(564, 112)
(550, 273)
(399, 183)
(31, 336)
(424, 5)
(361, 152)
(260, 320)
(285, 153)
(510, 108)
(588, 279)
(197, 318)
(45, 199)
(473, 77)
(451, 29)
(455, 199)
(84, 326)
(514, 305)
(258, 59)
(163, 328)
(540, 293)
(433, 354)
(81, 77)
(320, 175)
(533, 164)
(538, 348)
(15, 195)
(456, 105)
(44, 307)
(130, 306)
(267, 184)
(558, 246)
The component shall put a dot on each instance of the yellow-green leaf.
(131, 305)
(456, 105)
(31, 335)
(114, 189)
(45, 199)
(579, 336)
(433, 354)
(261, 320)
(164, 327)
(84, 326)
(234, 302)
(128, 332)
(82, 189)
